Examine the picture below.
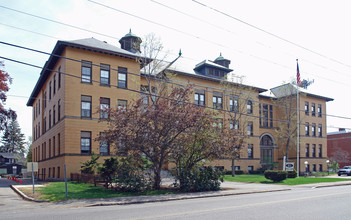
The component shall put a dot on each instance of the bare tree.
(286, 101)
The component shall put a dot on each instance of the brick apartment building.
(339, 147)
(82, 76)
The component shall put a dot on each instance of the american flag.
(298, 80)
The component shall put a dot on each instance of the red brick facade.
(339, 147)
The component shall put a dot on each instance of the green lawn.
(289, 181)
(56, 191)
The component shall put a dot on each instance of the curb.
(183, 198)
(24, 196)
(340, 184)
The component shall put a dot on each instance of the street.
(299, 203)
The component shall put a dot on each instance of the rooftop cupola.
(131, 42)
(222, 61)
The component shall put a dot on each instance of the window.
(53, 172)
(250, 151)
(320, 151)
(319, 110)
(58, 144)
(39, 107)
(38, 129)
(233, 105)
(49, 172)
(249, 107)
(266, 155)
(122, 104)
(44, 99)
(313, 109)
(250, 128)
(307, 129)
(49, 148)
(54, 89)
(85, 142)
(236, 167)
(234, 124)
(58, 172)
(250, 168)
(34, 112)
(220, 123)
(320, 168)
(307, 150)
(270, 116)
(105, 74)
(86, 71)
(313, 150)
(53, 146)
(59, 110)
(86, 106)
(200, 99)
(319, 130)
(307, 108)
(59, 78)
(314, 167)
(313, 129)
(217, 100)
(44, 125)
(50, 91)
(144, 99)
(49, 119)
(122, 77)
(104, 106)
(104, 146)
(53, 115)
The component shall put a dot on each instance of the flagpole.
(298, 121)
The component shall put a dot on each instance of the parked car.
(345, 170)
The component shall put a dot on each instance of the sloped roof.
(211, 63)
(90, 44)
(290, 89)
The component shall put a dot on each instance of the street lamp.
(306, 164)
(328, 166)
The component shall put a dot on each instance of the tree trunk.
(233, 168)
(157, 179)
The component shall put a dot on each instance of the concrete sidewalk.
(228, 188)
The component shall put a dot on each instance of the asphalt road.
(299, 203)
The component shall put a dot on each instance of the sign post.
(65, 180)
(289, 166)
(32, 166)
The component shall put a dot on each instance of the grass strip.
(289, 181)
(56, 192)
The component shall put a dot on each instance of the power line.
(270, 33)
(58, 22)
(197, 37)
(180, 83)
(234, 34)
(33, 32)
(138, 91)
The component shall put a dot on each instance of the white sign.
(35, 166)
(289, 166)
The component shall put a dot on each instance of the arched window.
(266, 141)
(249, 107)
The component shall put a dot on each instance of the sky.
(262, 39)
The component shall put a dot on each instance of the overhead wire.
(89, 31)
(236, 35)
(156, 23)
(181, 83)
(141, 92)
(270, 33)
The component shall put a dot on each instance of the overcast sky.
(262, 39)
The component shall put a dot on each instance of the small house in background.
(11, 163)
